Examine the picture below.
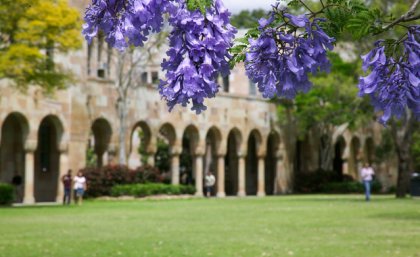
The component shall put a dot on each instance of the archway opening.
(47, 160)
(338, 157)
(187, 164)
(98, 143)
(231, 162)
(273, 142)
(165, 143)
(251, 170)
(12, 154)
(213, 139)
(139, 142)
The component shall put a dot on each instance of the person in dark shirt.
(67, 179)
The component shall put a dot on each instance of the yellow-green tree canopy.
(31, 31)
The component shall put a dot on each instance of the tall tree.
(31, 32)
(130, 65)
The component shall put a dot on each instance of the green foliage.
(163, 157)
(142, 190)
(349, 187)
(247, 19)
(332, 101)
(385, 149)
(201, 5)
(6, 194)
(91, 159)
(31, 31)
(142, 147)
(330, 182)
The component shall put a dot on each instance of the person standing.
(66, 180)
(367, 174)
(79, 187)
(209, 181)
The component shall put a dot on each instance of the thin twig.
(310, 9)
(408, 16)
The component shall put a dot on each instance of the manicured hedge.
(330, 182)
(142, 190)
(6, 194)
(101, 180)
(349, 187)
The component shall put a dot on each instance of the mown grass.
(274, 226)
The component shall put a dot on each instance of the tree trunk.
(402, 137)
(122, 109)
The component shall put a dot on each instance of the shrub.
(6, 194)
(142, 190)
(312, 182)
(349, 187)
(101, 180)
(330, 182)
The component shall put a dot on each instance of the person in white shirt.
(367, 174)
(209, 181)
(79, 187)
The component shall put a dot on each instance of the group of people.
(79, 187)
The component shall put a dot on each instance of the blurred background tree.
(31, 33)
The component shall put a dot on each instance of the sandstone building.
(238, 137)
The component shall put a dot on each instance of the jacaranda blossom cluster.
(281, 58)
(124, 22)
(199, 42)
(198, 53)
(394, 84)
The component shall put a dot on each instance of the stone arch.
(338, 161)
(354, 158)
(190, 141)
(234, 145)
(140, 143)
(100, 140)
(271, 159)
(213, 143)
(47, 159)
(14, 132)
(251, 167)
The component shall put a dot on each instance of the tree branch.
(408, 16)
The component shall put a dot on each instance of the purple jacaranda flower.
(393, 85)
(278, 62)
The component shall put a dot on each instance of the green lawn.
(274, 226)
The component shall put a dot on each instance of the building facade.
(238, 137)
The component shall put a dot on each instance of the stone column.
(346, 167)
(261, 176)
(151, 158)
(241, 175)
(221, 176)
(28, 197)
(175, 169)
(198, 175)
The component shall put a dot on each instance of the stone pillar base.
(221, 194)
(261, 194)
(241, 194)
(28, 200)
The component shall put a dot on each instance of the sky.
(236, 6)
